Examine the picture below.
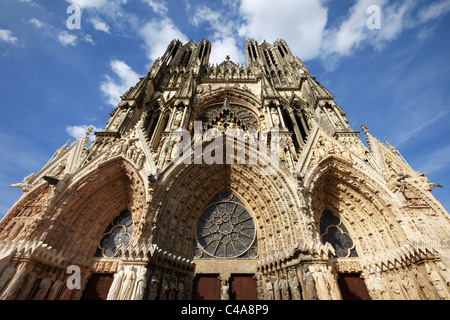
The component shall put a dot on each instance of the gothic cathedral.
(226, 182)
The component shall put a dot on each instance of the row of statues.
(142, 285)
(283, 289)
(288, 287)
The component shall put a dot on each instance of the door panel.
(97, 287)
(243, 288)
(353, 287)
(207, 287)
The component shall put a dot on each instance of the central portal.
(225, 248)
(241, 287)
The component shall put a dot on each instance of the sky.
(64, 65)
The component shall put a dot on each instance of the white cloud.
(353, 32)
(222, 47)
(157, 34)
(113, 89)
(37, 23)
(300, 23)
(6, 35)
(89, 3)
(65, 38)
(205, 14)
(159, 6)
(79, 131)
(100, 25)
(434, 11)
(88, 39)
(223, 39)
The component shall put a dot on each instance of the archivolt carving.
(88, 205)
(272, 202)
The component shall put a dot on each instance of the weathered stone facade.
(335, 219)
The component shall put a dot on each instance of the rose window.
(225, 230)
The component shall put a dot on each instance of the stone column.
(269, 116)
(172, 115)
(183, 121)
(283, 124)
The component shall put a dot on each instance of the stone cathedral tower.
(165, 203)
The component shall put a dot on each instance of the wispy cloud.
(113, 89)
(436, 162)
(37, 23)
(417, 124)
(6, 35)
(434, 11)
(159, 6)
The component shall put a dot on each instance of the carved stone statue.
(153, 288)
(53, 293)
(294, 285)
(424, 286)
(284, 287)
(172, 288)
(275, 118)
(395, 288)
(141, 282)
(269, 290)
(15, 285)
(409, 287)
(44, 287)
(177, 119)
(437, 282)
(29, 283)
(164, 288)
(115, 286)
(224, 291)
(6, 275)
(323, 286)
(276, 290)
(180, 289)
(128, 283)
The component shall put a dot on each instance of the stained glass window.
(117, 233)
(225, 230)
(332, 230)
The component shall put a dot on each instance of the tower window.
(333, 231)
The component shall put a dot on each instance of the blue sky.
(56, 81)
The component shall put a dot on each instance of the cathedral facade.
(226, 182)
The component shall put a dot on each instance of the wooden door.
(353, 287)
(243, 288)
(207, 287)
(97, 287)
